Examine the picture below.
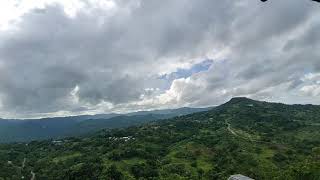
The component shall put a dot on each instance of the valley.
(263, 141)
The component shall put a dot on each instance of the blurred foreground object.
(239, 177)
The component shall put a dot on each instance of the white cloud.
(311, 77)
(12, 10)
(93, 56)
(311, 90)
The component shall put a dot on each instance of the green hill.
(25, 130)
(257, 139)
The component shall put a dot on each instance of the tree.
(113, 173)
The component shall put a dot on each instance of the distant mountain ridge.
(14, 130)
(260, 140)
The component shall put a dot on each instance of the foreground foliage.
(258, 139)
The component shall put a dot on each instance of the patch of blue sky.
(185, 73)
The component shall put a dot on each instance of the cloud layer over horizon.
(97, 56)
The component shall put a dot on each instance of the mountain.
(260, 140)
(170, 112)
(59, 127)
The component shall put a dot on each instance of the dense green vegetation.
(61, 127)
(257, 139)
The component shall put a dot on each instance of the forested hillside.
(25, 130)
(257, 139)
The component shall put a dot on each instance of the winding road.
(245, 138)
(23, 163)
(236, 134)
(249, 138)
(33, 175)
(230, 129)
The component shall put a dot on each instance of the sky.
(61, 58)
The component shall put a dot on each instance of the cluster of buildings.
(125, 138)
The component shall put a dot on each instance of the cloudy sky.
(72, 57)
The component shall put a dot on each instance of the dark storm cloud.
(52, 62)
